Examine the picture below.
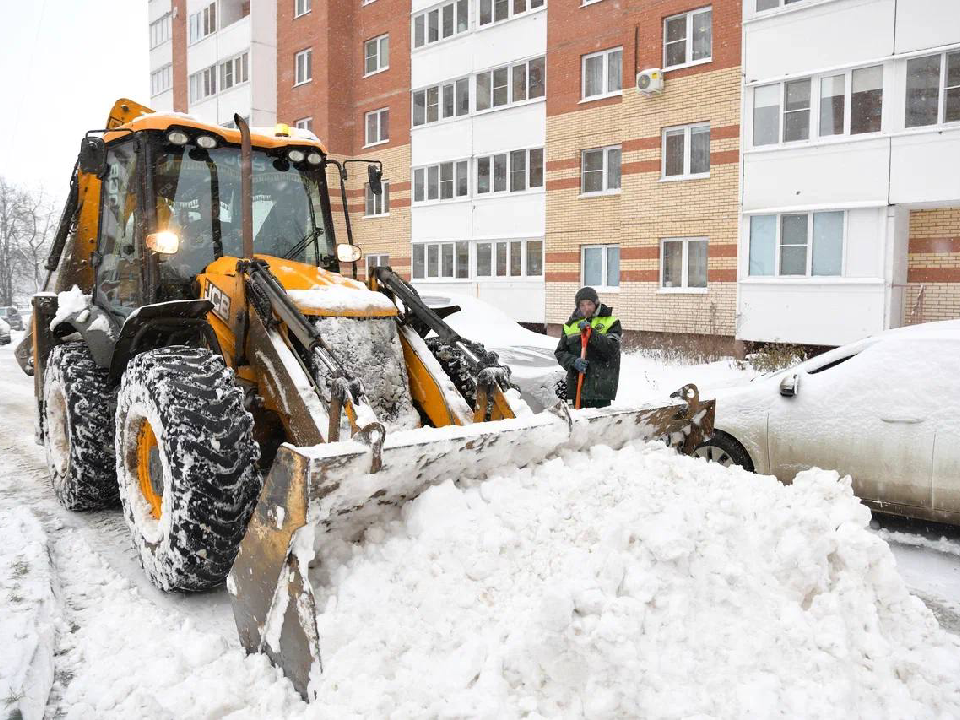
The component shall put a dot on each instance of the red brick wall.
(179, 38)
(637, 26)
(339, 95)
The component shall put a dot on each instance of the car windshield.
(198, 197)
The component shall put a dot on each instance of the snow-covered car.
(4, 333)
(885, 410)
(10, 315)
(529, 355)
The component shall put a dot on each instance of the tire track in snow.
(104, 534)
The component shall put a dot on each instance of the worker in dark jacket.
(601, 367)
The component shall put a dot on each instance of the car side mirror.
(790, 385)
(375, 178)
(93, 156)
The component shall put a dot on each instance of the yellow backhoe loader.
(201, 360)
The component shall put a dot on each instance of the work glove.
(580, 365)
(583, 325)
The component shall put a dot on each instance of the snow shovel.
(584, 339)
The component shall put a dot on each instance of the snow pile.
(631, 584)
(69, 302)
(27, 612)
(339, 299)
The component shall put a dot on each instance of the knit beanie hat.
(587, 293)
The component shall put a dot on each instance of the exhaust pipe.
(246, 185)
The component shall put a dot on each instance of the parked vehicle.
(885, 410)
(4, 333)
(11, 316)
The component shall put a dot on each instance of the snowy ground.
(602, 585)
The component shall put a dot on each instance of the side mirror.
(93, 156)
(790, 385)
(375, 178)
(347, 253)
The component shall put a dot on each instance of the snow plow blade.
(317, 497)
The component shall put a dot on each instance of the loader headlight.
(164, 242)
(348, 253)
(314, 158)
(207, 142)
(177, 137)
(296, 156)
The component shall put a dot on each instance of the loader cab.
(171, 205)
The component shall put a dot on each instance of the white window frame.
(684, 287)
(780, 4)
(378, 43)
(941, 90)
(511, 11)
(425, 169)
(506, 276)
(605, 172)
(203, 22)
(304, 124)
(466, 79)
(240, 66)
(511, 100)
(162, 77)
(507, 191)
(307, 55)
(816, 83)
(604, 286)
(160, 31)
(383, 200)
(688, 54)
(301, 7)
(777, 247)
(379, 257)
(606, 79)
(687, 131)
(440, 277)
(439, 9)
(203, 79)
(380, 139)
(589, 2)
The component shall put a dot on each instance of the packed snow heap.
(604, 584)
(631, 584)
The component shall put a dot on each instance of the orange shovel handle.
(584, 338)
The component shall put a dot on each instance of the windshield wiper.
(311, 235)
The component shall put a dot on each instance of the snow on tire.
(186, 465)
(725, 449)
(78, 429)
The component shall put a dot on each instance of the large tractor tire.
(78, 429)
(186, 465)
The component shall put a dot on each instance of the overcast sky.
(63, 63)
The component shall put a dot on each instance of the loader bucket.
(317, 495)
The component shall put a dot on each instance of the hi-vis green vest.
(599, 324)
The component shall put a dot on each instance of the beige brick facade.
(648, 209)
(933, 274)
(387, 234)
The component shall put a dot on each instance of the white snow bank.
(69, 302)
(27, 613)
(631, 584)
(482, 322)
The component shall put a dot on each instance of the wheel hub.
(149, 469)
(714, 454)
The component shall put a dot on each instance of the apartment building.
(214, 58)
(516, 174)
(851, 168)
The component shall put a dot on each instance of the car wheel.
(724, 449)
